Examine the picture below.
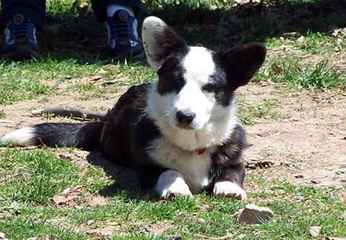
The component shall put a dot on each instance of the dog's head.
(195, 84)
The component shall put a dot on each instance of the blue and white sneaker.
(123, 40)
(20, 39)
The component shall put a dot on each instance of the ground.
(293, 112)
(307, 143)
(304, 143)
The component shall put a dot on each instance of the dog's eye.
(211, 88)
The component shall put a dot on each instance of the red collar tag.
(200, 151)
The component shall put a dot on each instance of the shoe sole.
(21, 52)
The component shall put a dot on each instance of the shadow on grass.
(84, 39)
(125, 179)
(256, 22)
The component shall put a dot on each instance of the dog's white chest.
(193, 166)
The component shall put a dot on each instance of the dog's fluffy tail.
(85, 135)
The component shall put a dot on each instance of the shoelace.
(21, 29)
(119, 29)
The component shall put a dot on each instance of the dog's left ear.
(242, 62)
(160, 41)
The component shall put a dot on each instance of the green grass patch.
(29, 179)
(31, 79)
(20, 228)
(2, 114)
(136, 73)
(35, 176)
(87, 90)
(267, 109)
(320, 43)
(299, 76)
(27, 80)
(17, 82)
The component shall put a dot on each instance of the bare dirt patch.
(307, 144)
(21, 114)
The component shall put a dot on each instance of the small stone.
(301, 39)
(90, 222)
(315, 231)
(37, 112)
(2, 235)
(201, 221)
(314, 181)
(253, 214)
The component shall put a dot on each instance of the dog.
(180, 133)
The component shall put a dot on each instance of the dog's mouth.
(184, 126)
(188, 127)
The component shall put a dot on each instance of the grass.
(27, 80)
(294, 74)
(35, 176)
(2, 114)
(319, 43)
(29, 179)
(267, 109)
(18, 82)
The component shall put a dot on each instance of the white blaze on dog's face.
(195, 84)
(197, 68)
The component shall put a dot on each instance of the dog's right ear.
(160, 41)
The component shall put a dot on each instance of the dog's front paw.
(229, 189)
(172, 184)
(176, 190)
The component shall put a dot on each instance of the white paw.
(229, 189)
(172, 184)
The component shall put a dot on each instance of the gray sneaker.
(123, 40)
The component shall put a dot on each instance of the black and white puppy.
(180, 133)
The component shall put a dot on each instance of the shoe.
(123, 40)
(20, 40)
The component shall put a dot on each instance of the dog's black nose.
(185, 118)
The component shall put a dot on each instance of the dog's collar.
(200, 151)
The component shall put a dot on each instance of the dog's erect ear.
(242, 62)
(160, 41)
